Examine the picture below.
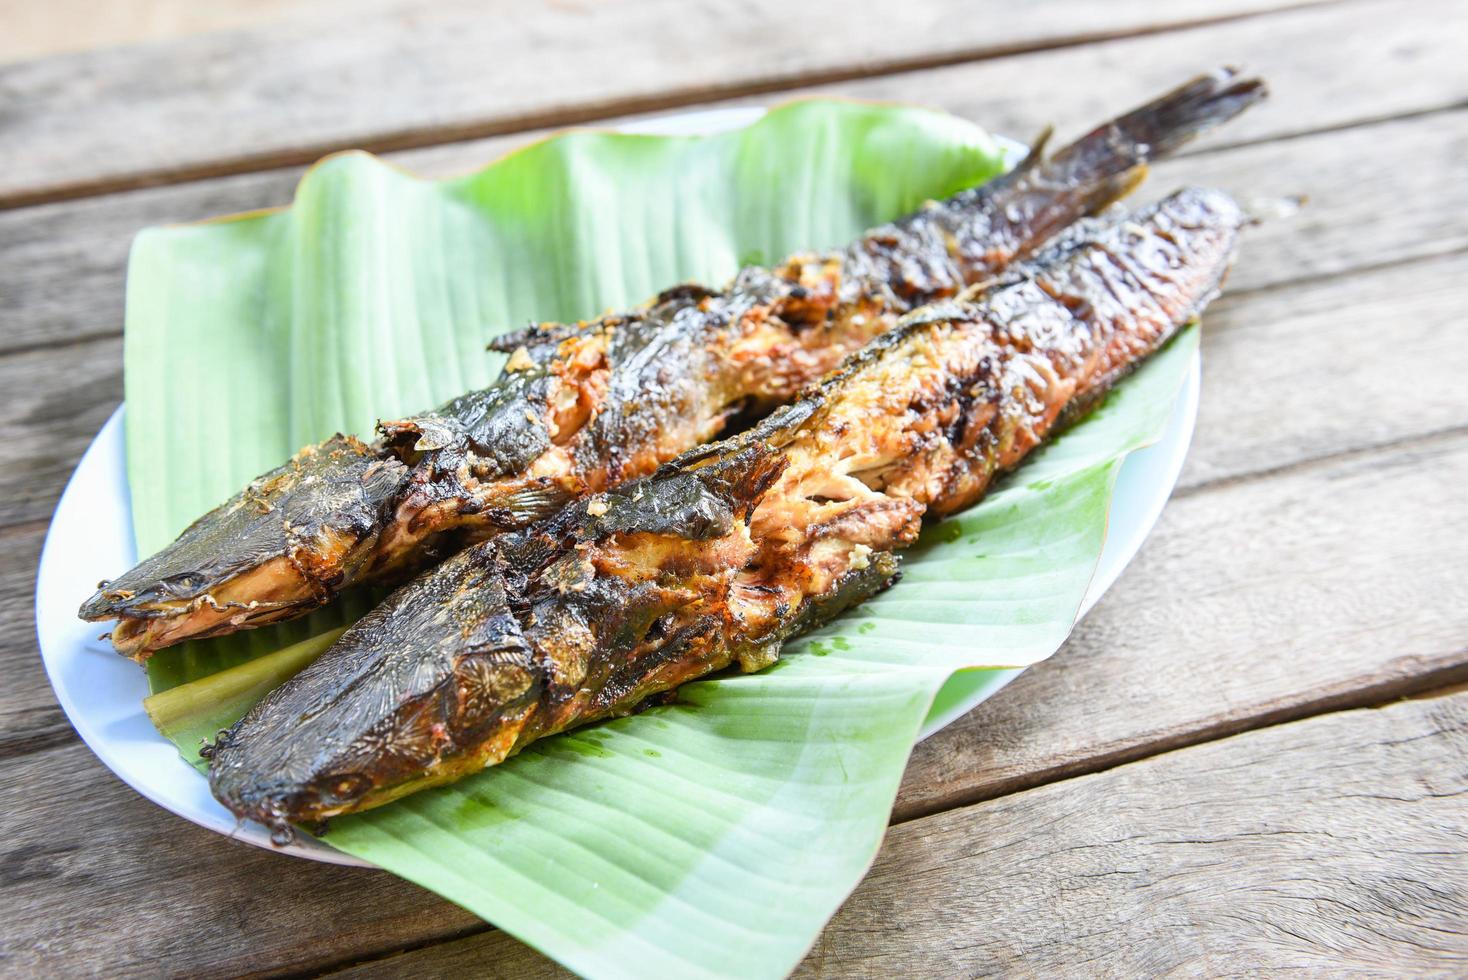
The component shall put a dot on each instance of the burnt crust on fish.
(722, 554)
(580, 408)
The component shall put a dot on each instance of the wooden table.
(1253, 755)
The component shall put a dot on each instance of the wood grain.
(52, 403)
(1333, 846)
(411, 75)
(1317, 369)
(30, 719)
(1239, 610)
(35, 30)
(1311, 58)
(61, 265)
(96, 880)
(1301, 345)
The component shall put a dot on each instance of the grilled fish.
(725, 552)
(582, 407)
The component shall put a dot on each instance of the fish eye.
(343, 787)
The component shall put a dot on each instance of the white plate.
(91, 539)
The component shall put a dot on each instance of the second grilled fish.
(723, 554)
(580, 408)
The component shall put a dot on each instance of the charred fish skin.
(648, 385)
(582, 407)
(282, 546)
(722, 554)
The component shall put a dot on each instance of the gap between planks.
(1434, 683)
(592, 111)
(1420, 440)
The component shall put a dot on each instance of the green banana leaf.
(716, 835)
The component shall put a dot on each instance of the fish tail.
(1157, 129)
(1041, 196)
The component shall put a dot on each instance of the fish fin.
(1035, 155)
(530, 504)
(1159, 128)
(742, 478)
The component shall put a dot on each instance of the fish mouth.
(282, 806)
(172, 595)
(171, 612)
(265, 804)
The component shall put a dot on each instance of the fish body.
(722, 554)
(583, 407)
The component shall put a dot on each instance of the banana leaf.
(709, 837)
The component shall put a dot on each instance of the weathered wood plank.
(61, 266)
(1245, 605)
(30, 718)
(95, 880)
(37, 30)
(1263, 600)
(1311, 58)
(52, 401)
(1357, 213)
(243, 100)
(1335, 357)
(1336, 845)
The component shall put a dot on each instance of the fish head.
(434, 683)
(282, 806)
(279, 547)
